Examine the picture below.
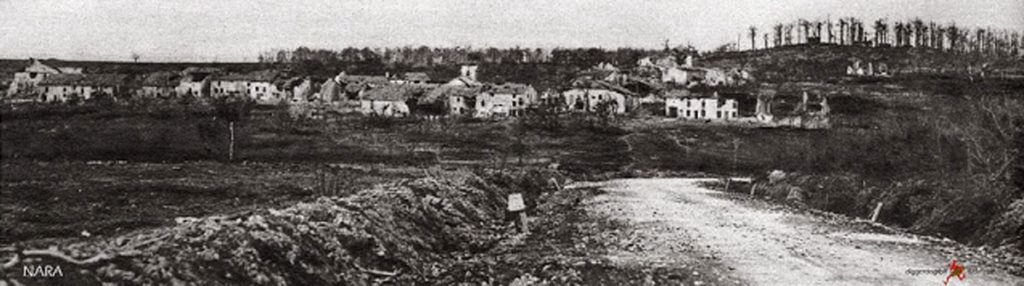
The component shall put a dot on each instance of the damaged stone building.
(805, 115)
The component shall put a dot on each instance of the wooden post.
(323, 181)
(753, 187)
(874, 215)
(331, 182)
(522, 222)
(516, 205)
(231, 146)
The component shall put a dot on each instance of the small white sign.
(515, 202)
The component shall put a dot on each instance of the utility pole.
(231, 146)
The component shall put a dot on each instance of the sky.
(237, 30)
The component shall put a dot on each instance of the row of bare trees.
(910, 33)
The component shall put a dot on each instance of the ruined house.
(388, 101)
(467, 77)
(64, 87)
(860, 70)
(411, 78)
(264, 87)
(457, 100)
(305, 90)
(693, 107)
(195, 81)
(805, 115)
(509, 99)
(603, 71)
(357, 85)
(159, 85)
(27, 81)
(331, 91)
(588, 95)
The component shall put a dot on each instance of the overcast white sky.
(237, 30)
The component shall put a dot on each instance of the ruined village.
(819, 150)
(659, 82)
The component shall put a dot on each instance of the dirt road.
(678, 221)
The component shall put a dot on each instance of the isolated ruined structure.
(805, 115)
(870, 70)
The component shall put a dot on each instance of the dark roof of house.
(263, 76)
(510, 88)
(206, 70)
(595, 73)
(445, 91)
(289, 83)
(390, 93)
(363, 79)
(416, 76)
(161, 79)
(600, 84)
(85, 79)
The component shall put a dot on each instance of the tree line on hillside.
(882, 32)
(424, 56)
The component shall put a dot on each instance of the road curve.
(678, 221)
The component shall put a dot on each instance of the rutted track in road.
(677, 218)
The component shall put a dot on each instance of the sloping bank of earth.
(399, 233)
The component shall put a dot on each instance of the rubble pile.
(372, 236)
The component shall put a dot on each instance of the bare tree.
(831, 36)
(753, 37)
(778, 34)
(789, 34)
(953, 33)
(806, 28)
(135, 57)
(842, 31)
(881, 32)
(918, 28)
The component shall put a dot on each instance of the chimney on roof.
(468, 71)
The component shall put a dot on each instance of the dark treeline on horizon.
(883, 33)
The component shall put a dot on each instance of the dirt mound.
(377, 234)
(933, 207)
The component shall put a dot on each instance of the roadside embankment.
(375, 235)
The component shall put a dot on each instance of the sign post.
(516, 205)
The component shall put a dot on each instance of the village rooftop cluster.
(603, 89)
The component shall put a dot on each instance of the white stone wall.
(702, 108)
(61, 93)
